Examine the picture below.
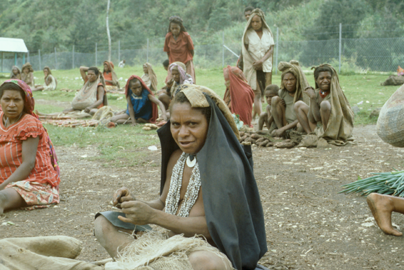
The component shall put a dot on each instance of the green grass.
(127, 146)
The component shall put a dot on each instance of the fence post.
(223, 49)
(56, 61)
(2, 61)
(28, 57)
(73, 58)
(147, 57)
(277, 48)
(119, 51)
(340, 46)
(39, 58)
(96, 54)
(23, 58)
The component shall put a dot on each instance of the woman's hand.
(170, 83)
(87, 110)
(258, 65)
(138, 213)
(277, 132)
(309, 91)
(122, 195)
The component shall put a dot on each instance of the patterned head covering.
(29, 105)
(181, 69)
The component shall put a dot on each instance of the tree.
(109, 36)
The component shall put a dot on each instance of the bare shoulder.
(173, 159)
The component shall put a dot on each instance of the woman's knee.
(275, 101)
(300, 106)
(325, 106)
(102, 227)
(204, 260)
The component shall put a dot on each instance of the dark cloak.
(232, 203)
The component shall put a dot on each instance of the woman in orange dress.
(179, 46)
(29, 173)
(110, 77)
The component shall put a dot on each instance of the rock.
(356, 109)
(322, 143)
(375, 113)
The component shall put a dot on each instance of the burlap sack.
(390, 124)
(47, 252)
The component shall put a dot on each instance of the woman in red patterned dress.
(29, 174)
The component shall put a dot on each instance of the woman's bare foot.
(382, 206)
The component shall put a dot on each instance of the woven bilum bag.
(390, 125)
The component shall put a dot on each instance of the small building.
(12, 45)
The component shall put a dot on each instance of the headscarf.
(112, 70)
(241, 94)
(13, 76)
(301, 81)
(29, 105)
(150, 77)
(155, 111)
(27, 65)
(233, 209)
(181, 69)
(340, 125)
(47, 78)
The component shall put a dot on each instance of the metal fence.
(375, 54)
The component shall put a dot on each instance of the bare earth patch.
(309, 225)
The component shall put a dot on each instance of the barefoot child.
(142, 104)
(266, 117)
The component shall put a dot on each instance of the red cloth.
(108, 76)
(180, 49)
(241, 94)
(155, 111)
(11, 139)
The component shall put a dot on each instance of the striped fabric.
(11, 139)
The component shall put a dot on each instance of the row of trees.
(45, 24)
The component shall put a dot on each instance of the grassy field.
(124, 145)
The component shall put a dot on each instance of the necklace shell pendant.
(191, 163)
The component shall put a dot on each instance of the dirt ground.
(309, 224)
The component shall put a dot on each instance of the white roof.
(12, 45)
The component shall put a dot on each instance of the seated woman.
(29, 174)
(111, 80)
(142, 104)
(15, 73)
(178, 78)
(50, 81)
(207, 189)
(239, 96)
(149, 77)
(329, 115)
(179, 46)
(92, 95)
(27, 75)
(282, 106)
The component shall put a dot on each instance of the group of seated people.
(27, 75)
(198, 122)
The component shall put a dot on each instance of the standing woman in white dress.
(258, 47)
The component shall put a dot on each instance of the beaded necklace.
(174, 194)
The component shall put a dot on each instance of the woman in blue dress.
(142, 104)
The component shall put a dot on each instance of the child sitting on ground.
(266, 117)
(142, 104)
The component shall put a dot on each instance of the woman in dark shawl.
(230, 213)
